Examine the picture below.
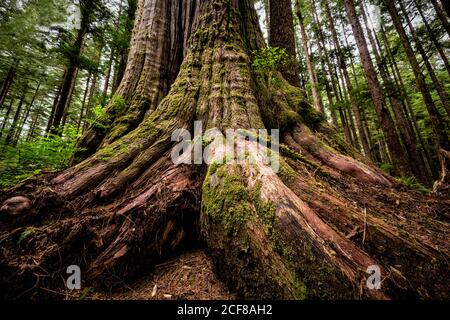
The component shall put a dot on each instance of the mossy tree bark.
(309, 231)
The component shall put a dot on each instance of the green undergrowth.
(412, 183)
(49, 153)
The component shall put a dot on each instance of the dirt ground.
(187, 277)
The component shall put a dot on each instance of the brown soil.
(189, 276)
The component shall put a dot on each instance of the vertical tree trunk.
(5, 119)
(55, 103)
(31, 131)
(27, 113)
(440, 13)
(346, 78)
(397, 75)
(406, 133)
(86, 6)
(108, 77)
(317, 99)
(12, 128)
(281, 34)
(69, 101)
(7, 85)
(433, 38)
(435, 117)
(384, 116)
(436, 83)
(83, 103)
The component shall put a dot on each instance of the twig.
(365, 224)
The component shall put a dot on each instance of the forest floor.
(189, 276)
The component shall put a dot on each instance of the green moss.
(225, 199)
(286, 173)
(288, 152)
(266, 211)
(106, 153)
(301, 291)
(27, 233)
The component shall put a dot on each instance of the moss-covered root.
(268, 243)
(302, 139)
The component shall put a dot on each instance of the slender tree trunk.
(435, 117)
(346, 79)
(408, 137)
(401, 85)
(13, 127)
(436, 83)
(7, 85)
(108, 77)
(441, 15)
(281, 34)
(326, 66)
(384, 116)
(86, 6)
(69, 101)
(317, 99)
(55, 103)
(5, 119)
(433, 38)
(27, 113)
(31, 131)
(83, 103)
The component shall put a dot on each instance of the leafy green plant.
(412, 183)
(387, 167)
(268, 60)
(51, 152)
(27, 233)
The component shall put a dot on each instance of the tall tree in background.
(346, 79)
(433, 112)
(87, 11)
(386, 122)
(281, 34)
(317, 99)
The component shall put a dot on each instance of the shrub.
(51, 152)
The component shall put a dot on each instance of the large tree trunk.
(311, 230)
(154, 59)
(281, 34)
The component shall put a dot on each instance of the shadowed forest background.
(91, 89)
